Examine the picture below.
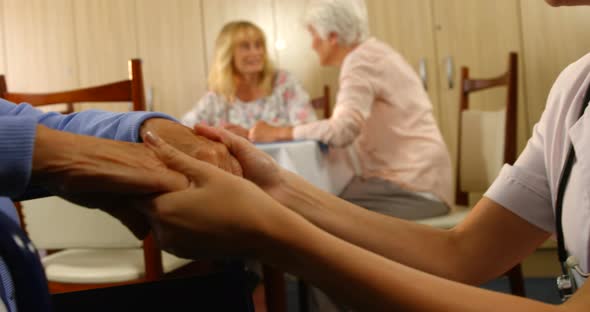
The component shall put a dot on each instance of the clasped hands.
(219, 214)
(106, 174)
(184, 184)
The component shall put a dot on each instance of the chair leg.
(516, 281)
(303, 295)
(275, 291)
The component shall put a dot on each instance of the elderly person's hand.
(257, 166)
(203, 221)
(99, 173)
(185, 140)
(264, 132)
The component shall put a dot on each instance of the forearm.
(49, 157)
(340, 130)
(396, 239)
(71, 164)
(407, 242)
(369, 282)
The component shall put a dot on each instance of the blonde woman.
(244, 86)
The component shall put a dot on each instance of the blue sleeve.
(108, 125)
(17, 136)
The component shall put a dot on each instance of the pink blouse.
(384, 112)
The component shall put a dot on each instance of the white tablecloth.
(327, 169)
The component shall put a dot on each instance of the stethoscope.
(566, 283)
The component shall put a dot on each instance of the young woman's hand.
(261, 169)
(219, 215)
(237, 130)
(257, 166)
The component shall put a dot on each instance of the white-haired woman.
(381, 110)
(244, 86)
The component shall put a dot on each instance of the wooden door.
(2, 46)
(553, 38)
(408, 27)
(171, 47)
(478, 34)
(40, 45)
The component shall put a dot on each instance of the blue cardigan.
(17, 137)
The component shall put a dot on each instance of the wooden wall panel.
(171, 46)
(408, 27)
(478, 34)
(2, 46)
(297, 56)
(553, 38)
(105, 40)
(217, 13)
(40, 45)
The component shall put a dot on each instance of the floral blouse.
(288, 105)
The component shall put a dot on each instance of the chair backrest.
(24, 267)
(53, 223)
(71, 225)
(487, 139)
(130, 90)
(323, 102)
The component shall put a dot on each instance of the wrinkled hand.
(98, 173)
(264, 132)
(185, 140)
(237, 130)
(203, 221)
(257, 166)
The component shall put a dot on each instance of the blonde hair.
(222, 74)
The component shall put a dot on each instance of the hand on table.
(264, 132)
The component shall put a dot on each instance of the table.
(325, 168)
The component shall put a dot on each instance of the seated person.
(58, 153)
(382, 111)
(244, 86)
(387, 263)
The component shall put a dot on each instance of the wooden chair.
(94, 249)
(323, 102)
(481, 133)
(130, 90)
